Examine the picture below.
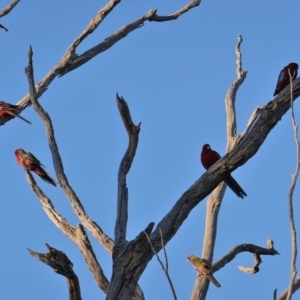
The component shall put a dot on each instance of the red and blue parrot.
(208, 158)
(284, 77)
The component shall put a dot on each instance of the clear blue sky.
(174, 76)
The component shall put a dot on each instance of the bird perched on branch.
(284, 77)
(208, 158)
(29, 162)
(10, 109)
(203, 269)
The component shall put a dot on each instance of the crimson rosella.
(29, 162)
(208, 158)
(284, 77)
(10, 109)
(203, 269)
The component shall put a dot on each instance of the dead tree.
(131, 257)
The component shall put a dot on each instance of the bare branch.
(231, 96)
(6, 10)
(89, 255)
(122, 203)
(61, 264)
(108, 42)
(290, 197)
(92, 226)
(49, 209)
(165, 268)
(95, 22)
(239, 249)
(256, 250)
(212, 211)
(177, 14)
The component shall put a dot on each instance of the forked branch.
(76, 235)
(258, 251)
(78, 208)
(72, 60)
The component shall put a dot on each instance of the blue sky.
(174, 77)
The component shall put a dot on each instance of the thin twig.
(290, 197)
(165, 269)
(165, 251)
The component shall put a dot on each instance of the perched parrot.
(203, 269)
(29, 162)
(284, 77)
(10, 109)
(208, 158)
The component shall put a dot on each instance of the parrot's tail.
(45, 176)
(214, 280)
